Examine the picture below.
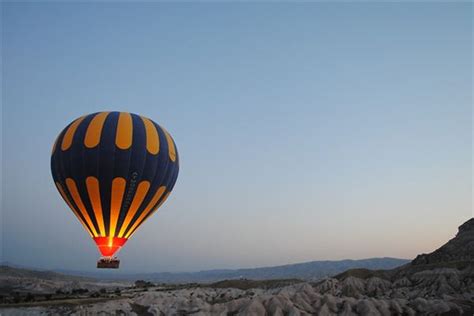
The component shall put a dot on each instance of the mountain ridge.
(457, 253)
(310, 270)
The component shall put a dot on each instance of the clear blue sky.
(305, 131)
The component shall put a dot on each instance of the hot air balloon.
(114, 170)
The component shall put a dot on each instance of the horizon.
(306, 132)
(118, 272)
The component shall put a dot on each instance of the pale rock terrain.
(441, 283)
(48, 282)
(351, 296)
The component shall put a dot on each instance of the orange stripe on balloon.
(137, 201)
(171, 149)
(94, 130)
(63, 194)
(69, 135)
(152, 140)
(123, 138)
(94, 196)
(154, 210)
(71, 185)
(147, 210)
(118, 188)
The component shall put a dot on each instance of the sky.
(307, 131)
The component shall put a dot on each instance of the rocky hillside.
(350, 296)
(456, 254)
(440, 283)
(458, 250)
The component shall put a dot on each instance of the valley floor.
(439, 293)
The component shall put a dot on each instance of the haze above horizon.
(306, 131)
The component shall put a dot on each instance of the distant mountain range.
(306, 271)
(313, 270)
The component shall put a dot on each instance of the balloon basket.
(108, 263)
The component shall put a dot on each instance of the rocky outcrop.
(440, 283)
(458, 249)
(302, 299)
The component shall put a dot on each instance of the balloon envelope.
(114, 169)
